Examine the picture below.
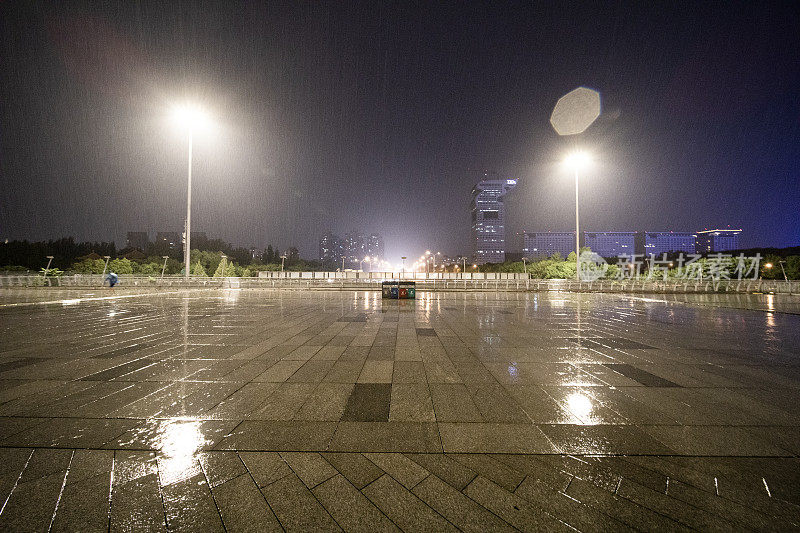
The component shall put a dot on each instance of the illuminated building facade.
(665, 242)
(489, 220)
(717, 240)
(540, 245)
(330, 248)
(610, 243)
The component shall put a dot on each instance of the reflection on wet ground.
(289, 409)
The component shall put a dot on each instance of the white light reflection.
(179, 441)
(770, 302)
(231, 296)
(580, 405)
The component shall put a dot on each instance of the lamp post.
(576, 162)
(785, 278)
(188, 250)
(49, 262)
(105, 267)
(163, 268)
(283, 259)
(525, 265)
(190, 118)
(404, 264)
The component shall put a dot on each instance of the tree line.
(773, 264)
(88, 258)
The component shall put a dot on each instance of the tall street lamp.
(164, 268)
(49, 262)
(105, 267)
(785, 277)
(190, 118)
(576, 162)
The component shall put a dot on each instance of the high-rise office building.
(540, 245)
(717, 240)
(330, 248)
(610, 243)
(374, 246)
(137, 239)
(354, 247)
(661, 242)
(489, 220)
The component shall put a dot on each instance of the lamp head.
(578, 160)
(190, 117)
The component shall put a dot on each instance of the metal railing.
(517, 283)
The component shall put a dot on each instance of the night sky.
(380, 117)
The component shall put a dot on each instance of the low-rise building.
(540, 245)
(666, 242)
(611, 243)
(717, 240)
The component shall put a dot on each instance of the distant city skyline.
(384, 116)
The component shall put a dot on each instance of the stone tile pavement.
(288, 410)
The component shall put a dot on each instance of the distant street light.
(576, 162)
(189, 118)
(283, 259)
(49, 262)
(165, 257)
(105, 267)
(785, 278)
(525, 265)
(404, 263)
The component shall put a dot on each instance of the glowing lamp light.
(578, 160)
(188, 116)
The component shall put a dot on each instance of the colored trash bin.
(408, 289)
(386, 289)
(395, 292)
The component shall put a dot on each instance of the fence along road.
(425, 282)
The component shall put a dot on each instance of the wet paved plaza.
(268, 410)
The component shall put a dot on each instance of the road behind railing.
(518, 283)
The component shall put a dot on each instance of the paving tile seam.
(214, 449)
